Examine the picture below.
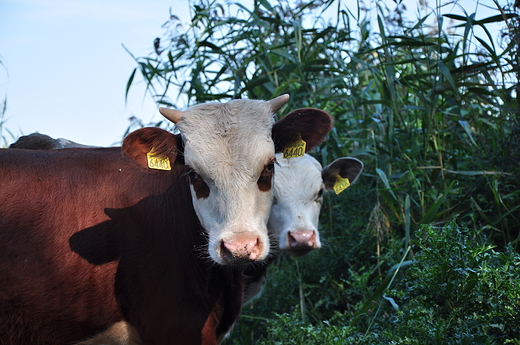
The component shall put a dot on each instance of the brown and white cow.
(298, 189)
(166, 285)
(299, 184)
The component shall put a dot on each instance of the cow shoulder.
(345, 167)
(312, 125)
(138, 144)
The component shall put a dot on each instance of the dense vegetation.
(424, 248)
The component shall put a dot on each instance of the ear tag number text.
(341, 184)
(295, 149)
(158, 162)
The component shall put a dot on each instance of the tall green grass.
(415, 99)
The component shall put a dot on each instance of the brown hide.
(48, 294)
(110, 207)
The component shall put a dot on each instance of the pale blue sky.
(67, 69)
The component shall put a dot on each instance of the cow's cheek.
(209, 220)
(279, 223)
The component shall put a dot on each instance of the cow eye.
(201, 188)
(193, 175)
(264, 181)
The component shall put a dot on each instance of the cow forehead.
(233, 135)
(297, 178)
(241, 163)
(233, 120)
(305, 162)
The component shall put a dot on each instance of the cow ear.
(312, 125)
(137, 145)
(345, 167)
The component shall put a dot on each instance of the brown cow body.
(203, 295)
(107, 206)
(43, 284)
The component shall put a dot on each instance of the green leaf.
(455, 16)
(383, 178)
(467, 128)
(496, 18)
(446, 73)
(129, 83)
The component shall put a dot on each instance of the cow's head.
(230, 149)
(298, 194)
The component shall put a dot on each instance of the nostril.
(225, 253)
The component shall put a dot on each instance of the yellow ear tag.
(158, 162)
(295, 149)
(341, 184)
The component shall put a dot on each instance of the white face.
(231, 155)
(298, 189)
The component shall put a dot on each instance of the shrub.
(458, 290)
